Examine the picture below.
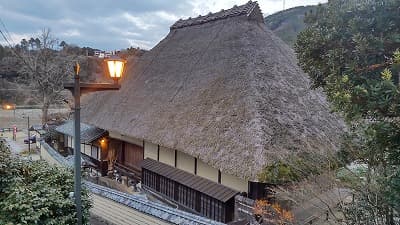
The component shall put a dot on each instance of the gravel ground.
(7, 118)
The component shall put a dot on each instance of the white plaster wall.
(70, 142)
(150, 150)
(206, 171)
(83, 148)
(234, 182)
(185, 162)
(167, 156)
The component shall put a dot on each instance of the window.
(95, 152)
(86, 150)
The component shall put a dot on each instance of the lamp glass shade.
(115, 67)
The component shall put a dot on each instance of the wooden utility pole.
(283, 4)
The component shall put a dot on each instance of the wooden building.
(195, 193)
(218, 100)
(126, 155)
(94, 147)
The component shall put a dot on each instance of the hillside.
(14, 88)
(288, 23)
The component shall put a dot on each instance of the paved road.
(16, 148)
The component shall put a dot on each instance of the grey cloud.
(108, 24)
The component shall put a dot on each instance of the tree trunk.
(45, 112)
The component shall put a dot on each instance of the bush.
(34, 192)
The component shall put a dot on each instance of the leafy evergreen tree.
(351, 50)
(33, 192)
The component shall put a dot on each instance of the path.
(18, 147)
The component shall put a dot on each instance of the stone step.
(119, 214)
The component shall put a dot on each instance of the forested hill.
(288, 23)
(16, 87)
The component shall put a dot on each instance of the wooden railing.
(133, 173)
(8, 129)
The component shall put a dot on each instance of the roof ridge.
(245, 9)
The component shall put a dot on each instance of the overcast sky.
(117, 24)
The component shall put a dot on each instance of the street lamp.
(115, 67)
(10, 107)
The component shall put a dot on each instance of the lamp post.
(115, 69)
(29, 137)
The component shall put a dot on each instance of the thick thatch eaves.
(227, 91)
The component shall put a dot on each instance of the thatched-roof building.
(221, 89)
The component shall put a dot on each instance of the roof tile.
(88, 133)
(235, 11)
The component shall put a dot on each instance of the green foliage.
(351, 50)
(350, 178)
(36, 193)
(297, 168)
(278, 173)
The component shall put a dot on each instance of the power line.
(10, 45)
(8, 33)
(5, 36)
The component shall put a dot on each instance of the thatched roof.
(226, 90)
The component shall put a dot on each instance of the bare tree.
(44, 70)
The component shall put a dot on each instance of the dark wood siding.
(117, 145)
(170, 183)
(133, 155)
(129, 155)
(188, 197)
